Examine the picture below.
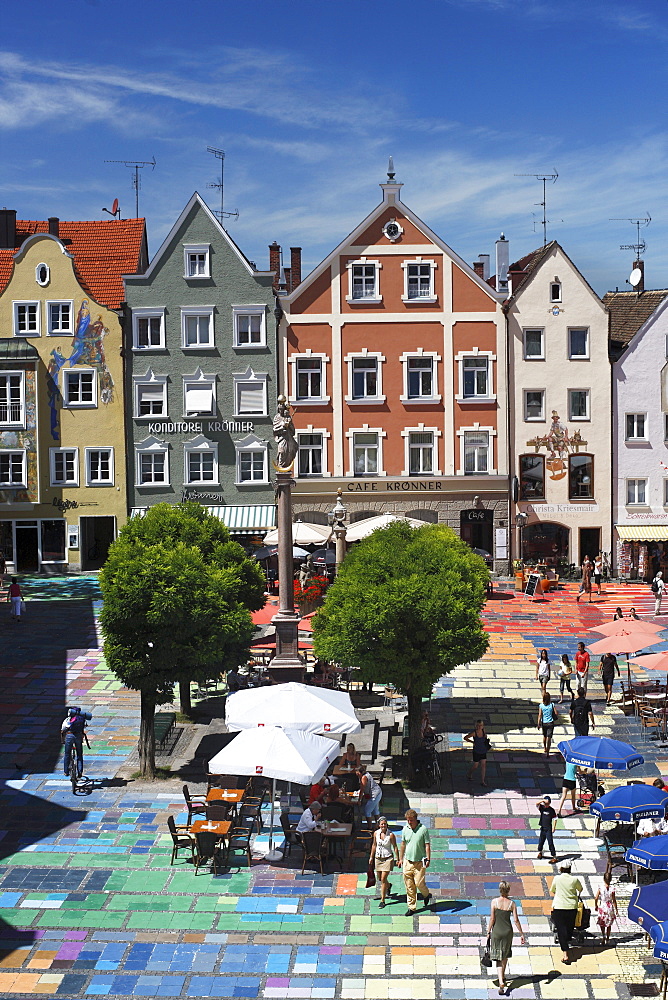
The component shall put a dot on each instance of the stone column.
(287, 665)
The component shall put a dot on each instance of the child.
(547, 823)
(605, 902)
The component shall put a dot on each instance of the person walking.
(566, 889)
(564, 674)
(503, 913)
(585, 586)
(582, 667)
(370, 794)
(582, 714)
(546, 824)
(608, 666)
(568, 786)
(598, 572)
(414, 857)
(657, 590)
(607, 912)
(15, 598)
(543, 670)
(384, 855)
(547, 717)
(478, 737)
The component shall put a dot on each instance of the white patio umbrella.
(362, 529)
(293, 706)
(276, 754)
(303, 533)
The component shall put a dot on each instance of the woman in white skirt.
(384, 855)
(15, 598)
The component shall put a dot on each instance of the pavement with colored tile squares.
(90, 906)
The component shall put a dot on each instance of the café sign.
(201, 427)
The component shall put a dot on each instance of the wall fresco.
(25, 439)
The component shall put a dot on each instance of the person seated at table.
(335, 808)
(652, 827)
(660, 783)
(309, 818)
(235, 682)
(617, 615)
(351, 758)
(633, 614)
(318, 790)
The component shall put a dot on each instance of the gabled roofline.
(534, 271)
(642, 330)
(165, 246)
(37, 237)
(366, 222)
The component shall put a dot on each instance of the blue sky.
(309, 98)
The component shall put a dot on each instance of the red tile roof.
(628, 311)
(103, 252)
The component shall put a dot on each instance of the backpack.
(580, 712)
(655, 586)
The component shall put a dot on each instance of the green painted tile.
(95, 901)
(20, 917)
(147, 881)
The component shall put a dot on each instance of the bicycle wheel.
(73, 769)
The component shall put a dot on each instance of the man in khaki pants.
(414, 857)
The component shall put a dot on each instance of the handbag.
(370, 877)
(485, 960)
(23, 607)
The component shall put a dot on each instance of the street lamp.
(336, 520)
(520, 520)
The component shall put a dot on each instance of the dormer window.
(555, 290)
(197, 260)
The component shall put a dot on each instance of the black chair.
(616, 858)
(250, 815)
(218, 812)
(314, 848)
(239, 840)
(181, 839)
(360, 842)
(194, 803)
(337, 811)
(350, 782)
(289, 832)
(208, 849)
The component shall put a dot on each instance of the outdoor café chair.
(208, 849)
(239, 840)
(289, 832)
(616, 858)
(314, 847)
(194, 803)
(181, 839)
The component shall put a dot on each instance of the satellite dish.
(635, 277)
(114, 207)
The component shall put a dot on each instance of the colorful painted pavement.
(91, 907)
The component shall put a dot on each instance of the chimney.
(484, 260)
(640, 266)
(478, 267)
(295, 267)
(275, 263)
(7, 228)
(502, 262)
(287, 277)
(54, 223)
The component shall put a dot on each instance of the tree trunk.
(184, 697)
(147, 736)
(414, 720)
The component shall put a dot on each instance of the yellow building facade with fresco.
(62, 440)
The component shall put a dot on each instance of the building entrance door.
(97, 534)
(590, 543)
(27, 547)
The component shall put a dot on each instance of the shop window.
(581, 477)
(532, 477)
(53, 541)
(545, 542)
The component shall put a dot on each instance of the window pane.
(578, 400)
(532, 477)
(533, 343)
(578, 340)
(581, 476)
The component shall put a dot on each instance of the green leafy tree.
(177, 600)
(404, 610)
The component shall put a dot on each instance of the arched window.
(532, 477)
(312, 516)
(361, 515)
(581, 477)
(428, 516)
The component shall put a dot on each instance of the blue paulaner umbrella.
(630, 803)
(659, 935)
(599, 751)
(649, 905)
(650, 852)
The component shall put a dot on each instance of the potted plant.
(310, 597)
(518, 570)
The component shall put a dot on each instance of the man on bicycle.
(73, 733)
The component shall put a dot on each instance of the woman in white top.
(384, 855)
(370, 794)
(543, 669)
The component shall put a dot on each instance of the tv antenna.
(135, 165)
(543, 204)
(114, 211)
(221, 214)
(639, 246)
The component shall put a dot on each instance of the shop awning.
(247, 520)
(642, 532)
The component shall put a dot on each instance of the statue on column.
(284, 434)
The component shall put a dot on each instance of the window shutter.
(250, 398)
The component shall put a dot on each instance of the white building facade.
(640, 418)
(560, 387)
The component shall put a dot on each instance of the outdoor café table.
(341, 769)
(641, 685)
(335, 833)
(655, 696)
(227, 796)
